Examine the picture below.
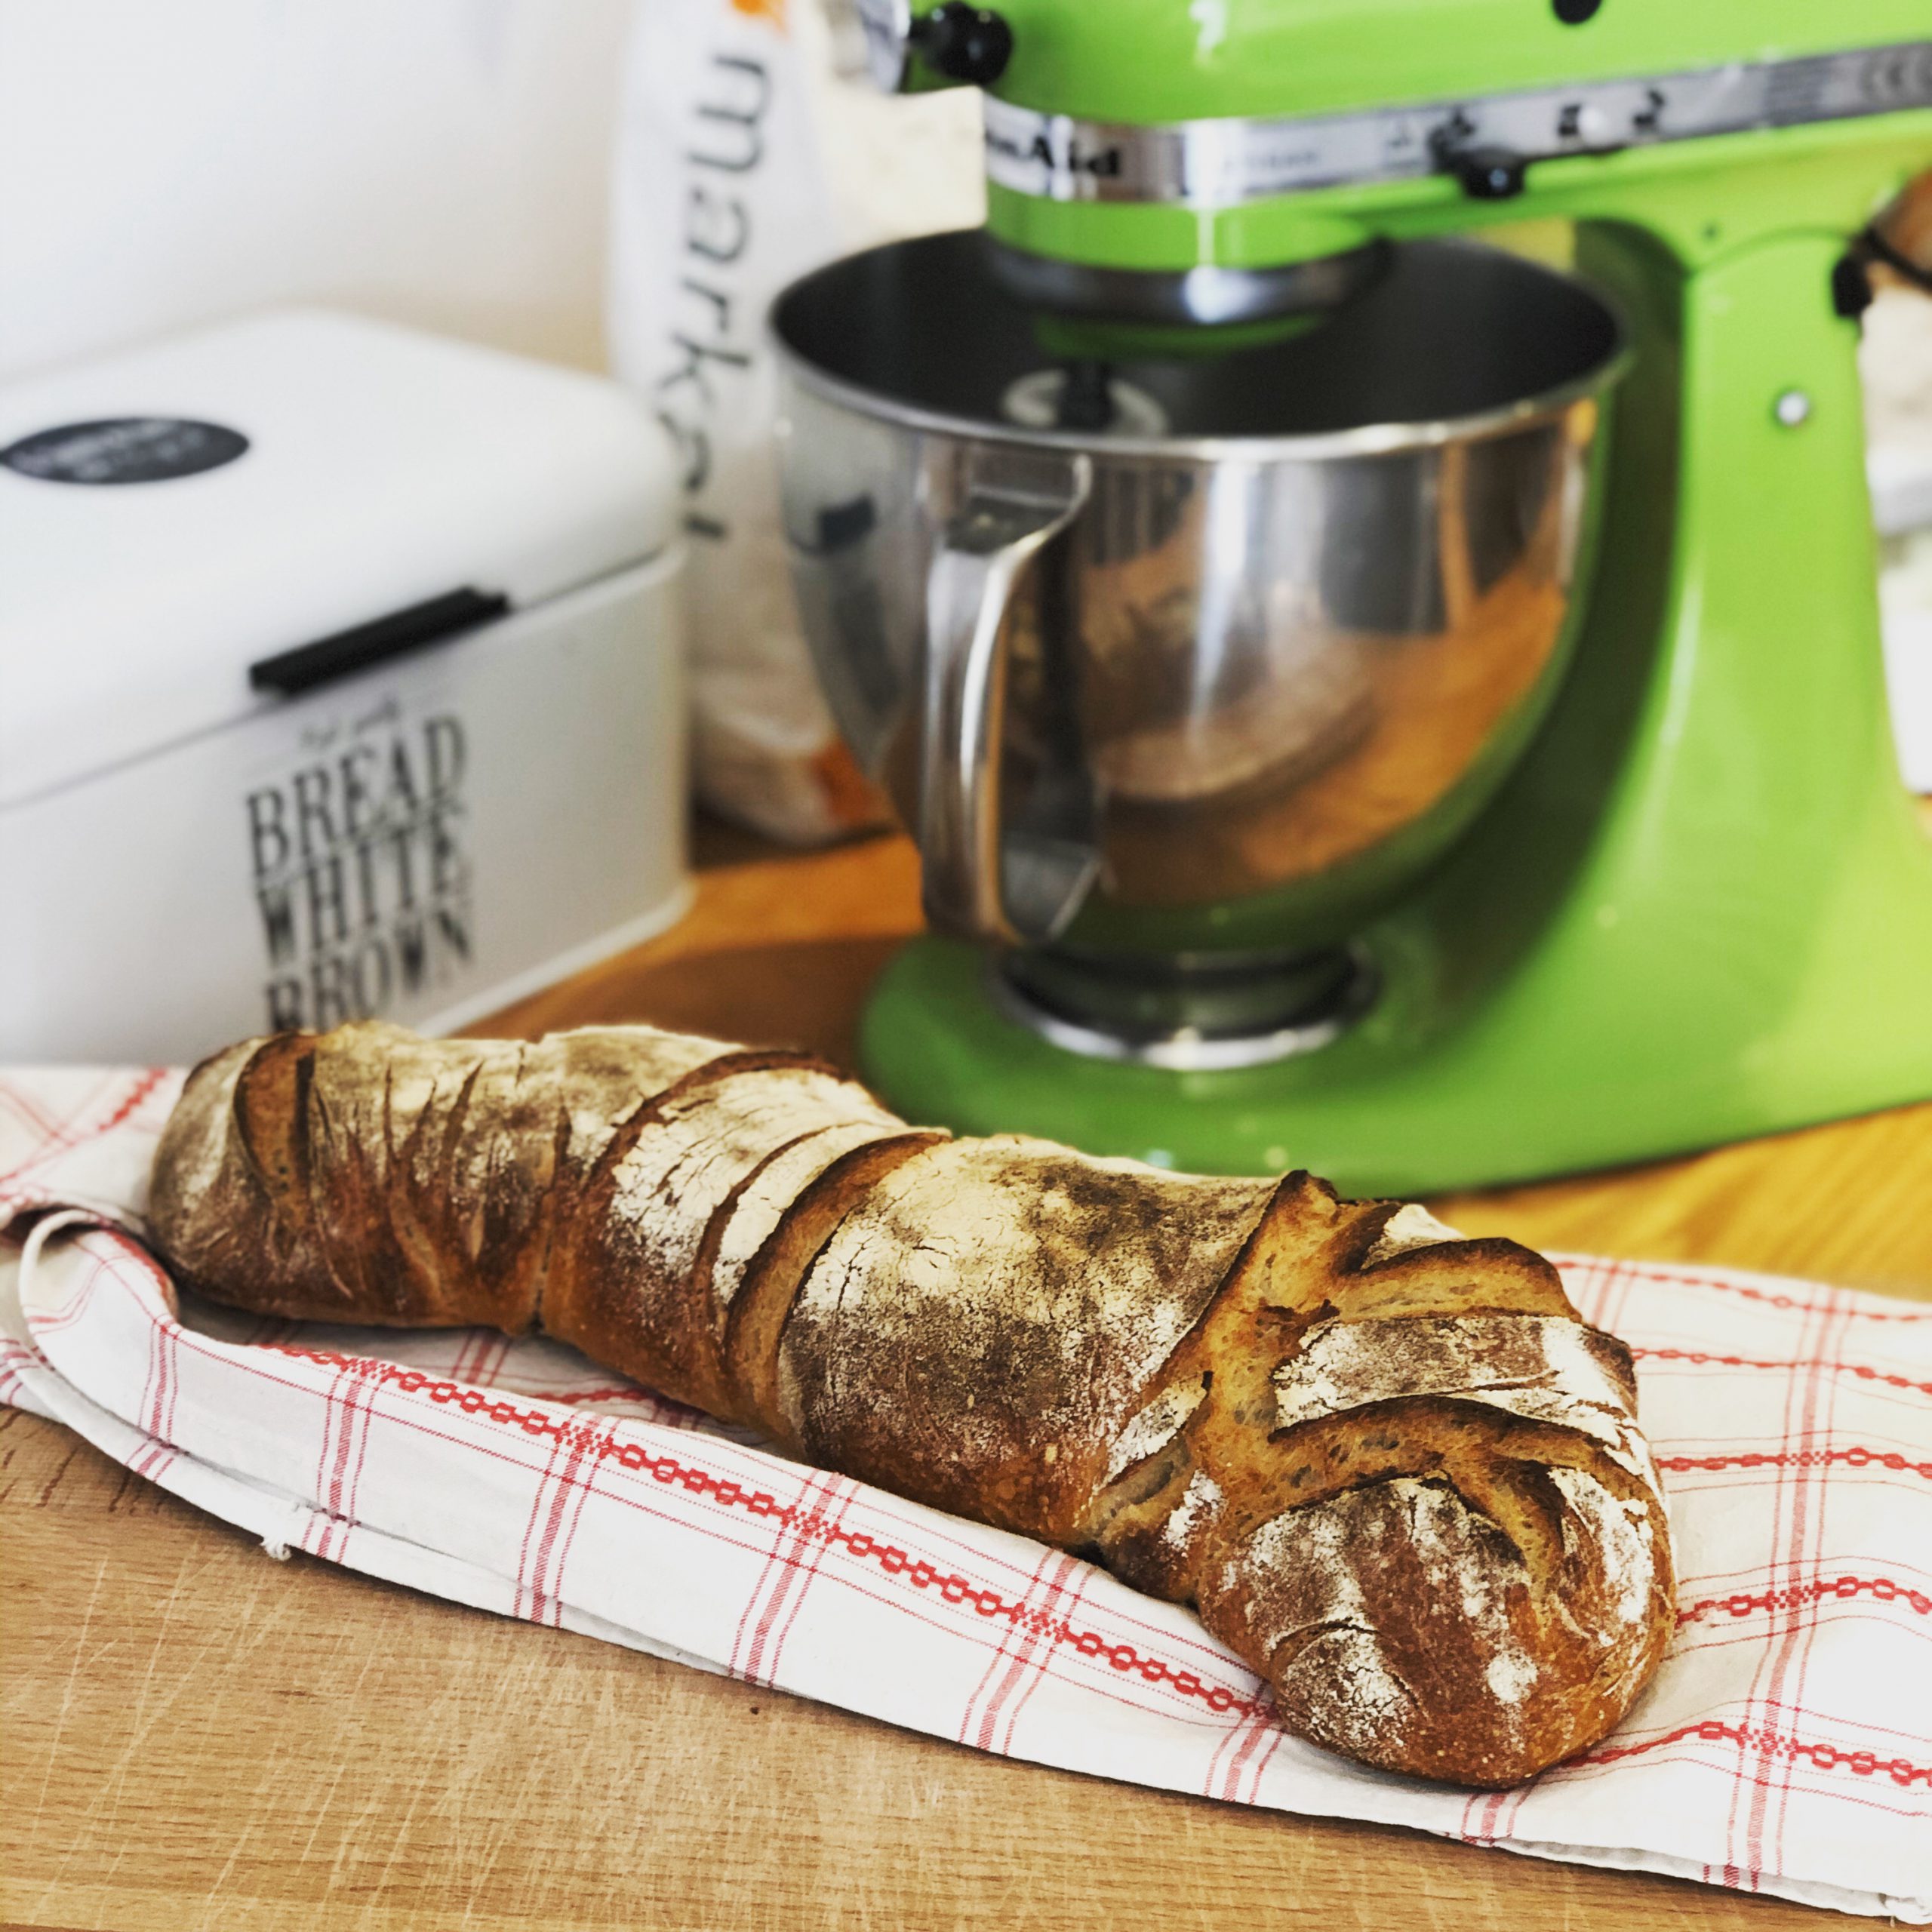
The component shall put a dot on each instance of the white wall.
(443, 162)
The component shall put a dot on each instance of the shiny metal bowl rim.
(1365, 439)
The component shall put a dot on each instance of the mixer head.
(1170, 180)
(1169, 166)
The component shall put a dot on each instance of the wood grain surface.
(193, 1736)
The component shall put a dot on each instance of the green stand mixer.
(1366, 700)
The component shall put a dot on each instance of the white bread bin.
(340, 674)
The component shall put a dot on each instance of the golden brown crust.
(977, 1330)
(1394, 1482)
(757, 1315)
(628, 1283)
(1390, 1466)
(371, 1176)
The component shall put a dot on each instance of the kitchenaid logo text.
(360, 871)
(711, 323)
(1068, 160)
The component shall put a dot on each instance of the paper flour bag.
(750, 149)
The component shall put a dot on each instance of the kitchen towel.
(1785, 1747)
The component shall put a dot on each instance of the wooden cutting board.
(193, 1736)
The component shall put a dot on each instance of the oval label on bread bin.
(124, 449)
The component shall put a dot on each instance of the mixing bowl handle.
(1016, 501)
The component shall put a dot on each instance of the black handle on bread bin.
(356, 649)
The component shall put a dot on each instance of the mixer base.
(1405, 1101)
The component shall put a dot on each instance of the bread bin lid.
(169, 517)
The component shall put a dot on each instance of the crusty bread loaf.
(1392, 1468)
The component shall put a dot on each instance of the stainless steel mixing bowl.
(1174, 706)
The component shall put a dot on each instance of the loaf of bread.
(1391, 1469)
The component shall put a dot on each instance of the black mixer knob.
(1489, 175)
(965, 43)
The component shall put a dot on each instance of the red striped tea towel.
(1785, 1747)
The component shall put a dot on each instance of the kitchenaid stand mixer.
(1676, 894)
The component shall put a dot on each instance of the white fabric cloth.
(1785, 1745)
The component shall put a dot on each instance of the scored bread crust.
(1391, 1468)
(1084, 1275)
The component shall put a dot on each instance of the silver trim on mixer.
(1189, 1049)
(1221, 163)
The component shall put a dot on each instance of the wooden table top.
(195, 1737)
